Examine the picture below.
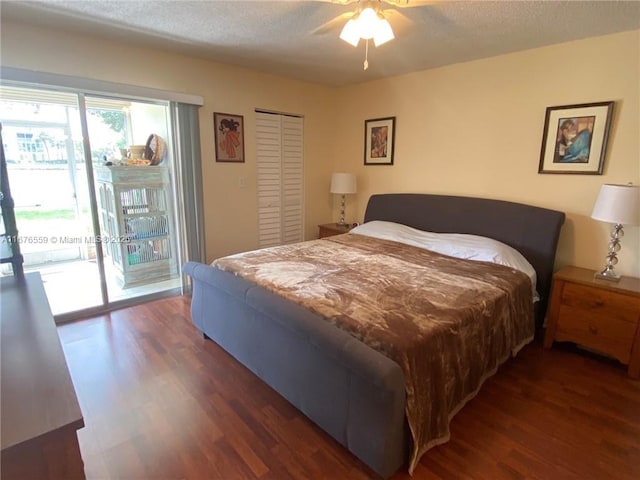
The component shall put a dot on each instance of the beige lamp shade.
(343, 183)
(619, 204)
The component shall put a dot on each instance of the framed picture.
(379, 141)
(575, 138)
(229, 137)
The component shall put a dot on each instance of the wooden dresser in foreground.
(598, 314)
(330, 229)
(40, 410)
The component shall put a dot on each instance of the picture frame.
(229, 137)
(575, 138)
(379, 141)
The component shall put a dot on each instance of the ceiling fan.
(368, 21)
(395, 3)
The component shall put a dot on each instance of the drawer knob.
(599, 302)
(593, 329)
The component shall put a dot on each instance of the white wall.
(475, 129)
(471, 129)
(230, 211)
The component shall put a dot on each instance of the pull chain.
(366, 55)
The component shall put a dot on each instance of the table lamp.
(617, 204)
(343, 183)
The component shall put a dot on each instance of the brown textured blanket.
(448, 323)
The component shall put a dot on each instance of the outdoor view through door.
(102, 231)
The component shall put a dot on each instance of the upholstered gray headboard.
(533, 231)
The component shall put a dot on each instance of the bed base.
(348, 389)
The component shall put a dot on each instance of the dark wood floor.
(161, 402)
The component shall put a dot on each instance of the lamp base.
(342, 223)
(608, 275)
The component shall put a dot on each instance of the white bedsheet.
(470, 247)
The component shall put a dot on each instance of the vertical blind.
(279, 151)
(185, 129)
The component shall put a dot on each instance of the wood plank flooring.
(160, 402)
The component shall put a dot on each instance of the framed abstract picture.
(229, 137)
(379, 141)
(575, 138)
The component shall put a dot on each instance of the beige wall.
(230, 211)
(475, 129)
(471, 129)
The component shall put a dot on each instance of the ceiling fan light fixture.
(384, 33)
(368, 22)
(351, 32)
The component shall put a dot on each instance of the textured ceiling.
(284, 37)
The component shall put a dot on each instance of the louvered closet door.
(280, 179)
(269, 159)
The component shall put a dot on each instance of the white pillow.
(459, 245)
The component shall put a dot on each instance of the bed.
(358, 390)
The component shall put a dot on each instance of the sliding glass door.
(133, 181)
(96, 218)
(47, 172)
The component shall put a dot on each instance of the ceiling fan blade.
(394, 3)
(398, 20)
(338, 2)
(334, 23)
(410, 3)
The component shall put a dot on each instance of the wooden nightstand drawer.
(331, 229)
(602, 333)
(597, 314)
(602, 302)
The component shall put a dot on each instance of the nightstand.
(330, 229)
(597, 314)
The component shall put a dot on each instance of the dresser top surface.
(336, 227)
(37, 392)
(585, 276)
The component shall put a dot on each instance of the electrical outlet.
(242, 182)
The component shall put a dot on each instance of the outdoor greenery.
(114, 118)
(116, 121)
(62, 214)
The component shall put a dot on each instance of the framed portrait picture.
(575, 138)
(229, 137)
(379, 141)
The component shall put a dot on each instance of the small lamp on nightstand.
(617, 204)
(343, 183)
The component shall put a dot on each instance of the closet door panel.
(280, 181)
